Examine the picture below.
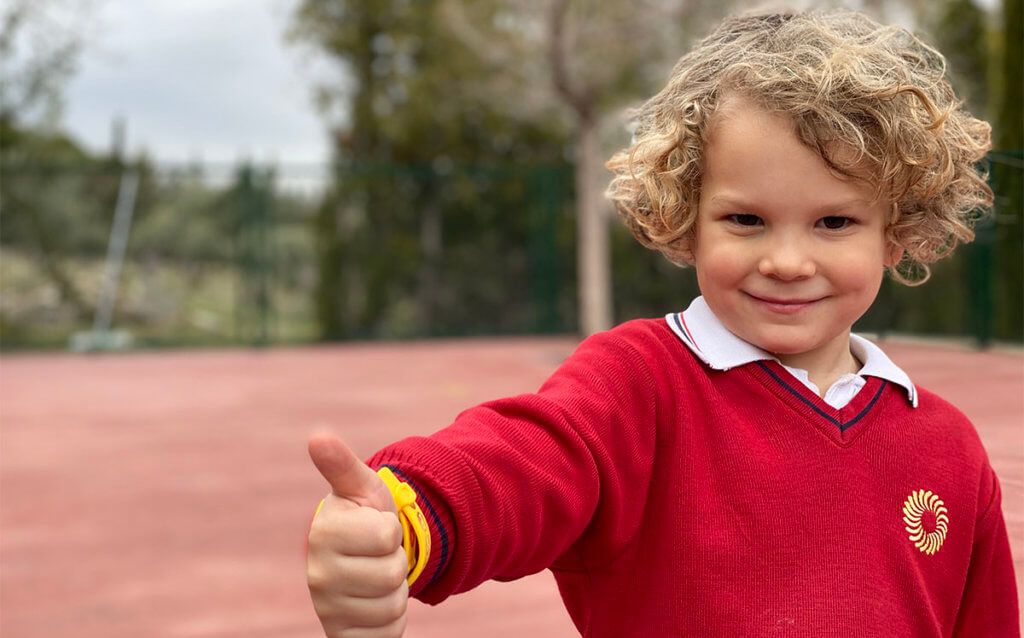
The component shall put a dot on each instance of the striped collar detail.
(842, 425)
(713, 343)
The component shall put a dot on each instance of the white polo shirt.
(715, 345)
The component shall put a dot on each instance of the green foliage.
(961, 32)
(427, 222)
(1008, 177)
(40, 41)
(44, 213)
(1009, 95)
(200, 266)
(431, 228)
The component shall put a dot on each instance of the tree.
(40, 43)
(986, 71)
(586, 59)
(1008, 171)
(421, 187)
(564, 66)
(961, 31)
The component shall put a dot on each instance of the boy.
(747, 466)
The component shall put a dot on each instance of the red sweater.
(672, 499)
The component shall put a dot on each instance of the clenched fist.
(356, 566)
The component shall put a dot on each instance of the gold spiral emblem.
(927, 523)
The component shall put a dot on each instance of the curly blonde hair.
(847, 83)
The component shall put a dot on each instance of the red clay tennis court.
(167, 494)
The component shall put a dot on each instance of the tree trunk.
(431, 249)
(592, 250)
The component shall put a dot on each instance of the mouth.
(786, 306)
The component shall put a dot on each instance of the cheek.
(709, 275)
(713, 251)
(861, 264)
(725, 265)
(862, 277)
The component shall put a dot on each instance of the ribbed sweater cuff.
(436, 511)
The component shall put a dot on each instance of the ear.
(893, 254)
(684, 249)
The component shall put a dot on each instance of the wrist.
(415, 531)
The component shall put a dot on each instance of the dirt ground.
(167, 494)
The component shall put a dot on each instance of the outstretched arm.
(513, 485)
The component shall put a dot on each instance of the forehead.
(737, 109)
(758, 154)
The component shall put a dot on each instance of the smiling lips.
(785, 306)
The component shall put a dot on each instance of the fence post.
(251, 256)
(543, 248)
(979, 282)
(101, 336)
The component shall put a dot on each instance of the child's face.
(788, 255)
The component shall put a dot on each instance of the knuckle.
(397, 628)
(326, 528)
(389, 534)
(397, 604)
(335, 629)
(317, 537)
(396, 572)
(317, 580)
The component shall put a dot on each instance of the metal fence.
(382, 252)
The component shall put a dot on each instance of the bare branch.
(579, 100)
(482, 45)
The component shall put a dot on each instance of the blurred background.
(199, 173)
(291, 171)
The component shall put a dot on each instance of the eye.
(745, 220)
(835, 223)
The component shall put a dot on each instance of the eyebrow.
(835, 207)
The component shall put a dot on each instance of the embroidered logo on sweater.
(927, 523)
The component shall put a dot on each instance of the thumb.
(347, 475)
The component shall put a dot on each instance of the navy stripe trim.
(441, 531)
(681, 333)
(842, 426)
(866, 408)
(797, 394)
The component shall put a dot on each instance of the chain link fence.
(251, 255)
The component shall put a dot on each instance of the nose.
(788, 259)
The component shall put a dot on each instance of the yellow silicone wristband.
(415, 532)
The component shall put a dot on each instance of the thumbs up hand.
(356, 566)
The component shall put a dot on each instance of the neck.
(825, 366)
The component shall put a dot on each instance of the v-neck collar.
(707, 337)
(841, 425)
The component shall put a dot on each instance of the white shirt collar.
(715, 345)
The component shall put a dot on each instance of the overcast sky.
(196, 79)
(199, 79)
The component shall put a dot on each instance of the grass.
(162, 303)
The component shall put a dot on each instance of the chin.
(788, 347)
(784, 346)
